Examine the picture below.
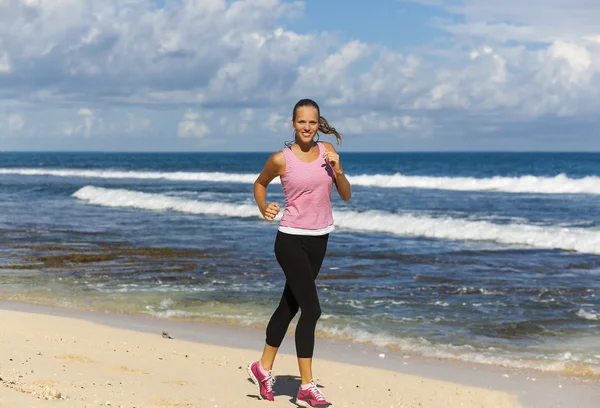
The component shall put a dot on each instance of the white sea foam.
(166, 303)
(161, 202)
(422, 226)
(550, 237)
(143, 175)
(559, 184)
(560, 361)
(168, 314)
(584, 314)
(389, 301)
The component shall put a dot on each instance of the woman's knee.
(285, 313)
(311, 313)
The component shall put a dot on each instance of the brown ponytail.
(326, 128)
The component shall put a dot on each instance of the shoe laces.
(316, 393)
(269, 381)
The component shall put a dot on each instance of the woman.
(308, 171)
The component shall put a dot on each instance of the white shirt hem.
(304, 231)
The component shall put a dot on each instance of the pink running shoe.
(311, 397)
(264, 383)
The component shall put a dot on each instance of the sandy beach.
(52, 360)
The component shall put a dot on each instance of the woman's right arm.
(275, 166)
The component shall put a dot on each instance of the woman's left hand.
(333, 159)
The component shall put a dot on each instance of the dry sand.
(58, 361)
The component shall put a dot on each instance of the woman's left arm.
(341, 182)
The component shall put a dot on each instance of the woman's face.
(306, 123)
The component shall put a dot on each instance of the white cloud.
(329, 77)
(277, 122)
(85, 125)
(191, 126)
(560, 80)
(11, 124)
(15, 123)
(245, 121)
(558, 77)
(247, 115)
(534, 20)
(396, 125)
(191, 51)
(239, 62)
(134, 124)
(577, 56)
(88, 120)
(4, 64)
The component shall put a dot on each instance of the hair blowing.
(324, 126)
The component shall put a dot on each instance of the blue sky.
(216, 75)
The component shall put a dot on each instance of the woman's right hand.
(270, 211)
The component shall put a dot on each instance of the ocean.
(491, 258)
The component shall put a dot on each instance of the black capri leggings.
(300, 257)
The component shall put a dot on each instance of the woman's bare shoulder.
(276, 163)
(328, 146)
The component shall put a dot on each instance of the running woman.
(308, 170)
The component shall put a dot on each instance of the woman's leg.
(292, 252)
(316, 254)
(282, 316)
(260, 371)
(300, 258)
(277, 327)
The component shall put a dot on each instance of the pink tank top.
(307, 188)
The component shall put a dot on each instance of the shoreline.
(532, 388)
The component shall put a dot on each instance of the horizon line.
(268, 152)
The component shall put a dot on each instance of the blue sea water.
(485, 257)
